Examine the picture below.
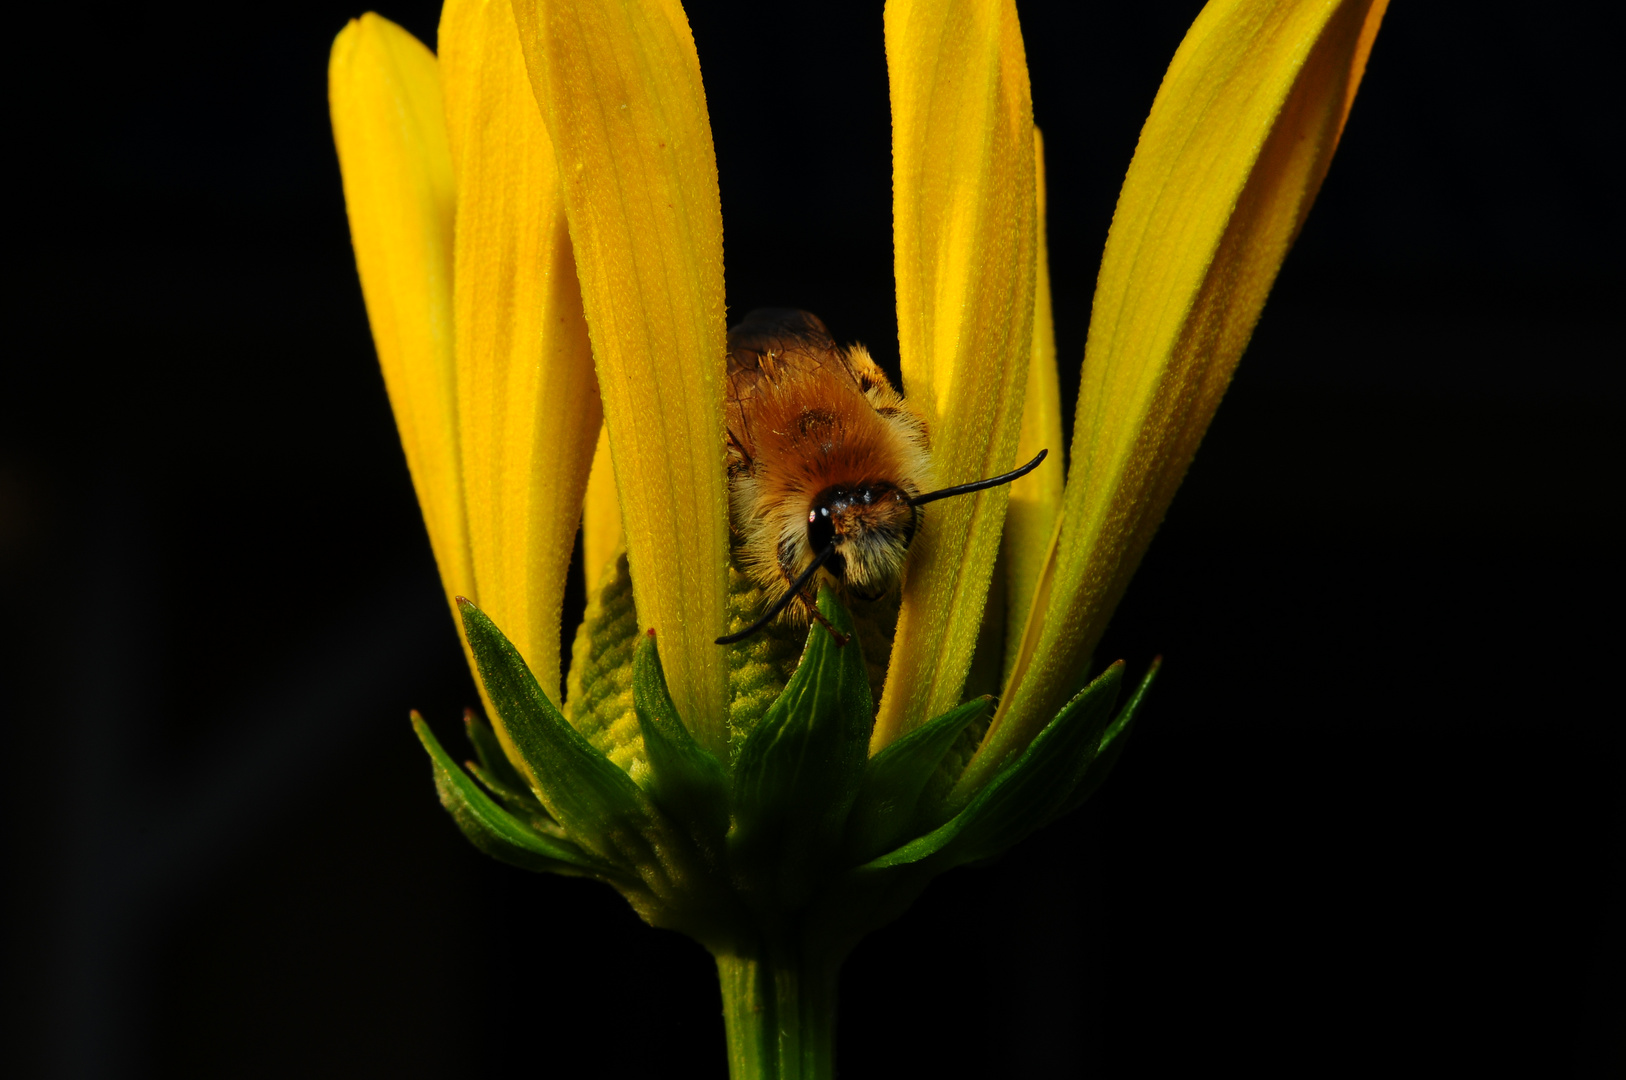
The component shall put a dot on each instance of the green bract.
(799, 833)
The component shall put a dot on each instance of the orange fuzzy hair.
(806, 416)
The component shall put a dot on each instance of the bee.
(828, 466)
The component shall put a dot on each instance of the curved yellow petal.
(1035, 502)
(1231, 157)
(527, 398)
(388, 124)
(619, 86)
(964, 234)
(601, 515)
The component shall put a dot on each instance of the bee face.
(871, 525)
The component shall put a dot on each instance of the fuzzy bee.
(828, 466)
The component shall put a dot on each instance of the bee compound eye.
(820, 529)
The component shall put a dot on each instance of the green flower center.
(598, 691)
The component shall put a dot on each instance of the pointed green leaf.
(492, 829)
(887, 800)
(498, 776)
(490, 753)
(522, 804)
(1028, 792)
(1112, 745)
(597, 804)
(799, 771)
(687, 781)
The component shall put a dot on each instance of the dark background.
(1370, 820)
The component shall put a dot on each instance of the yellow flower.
(538, 230)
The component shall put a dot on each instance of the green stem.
(779, 1007)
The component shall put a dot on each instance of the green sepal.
(598, 805)
(1112, 744)
(799, 771)
(498, 775)
(522, 804)
(685, 779)
(886, 807)
(1027, 793)
(492, 829)
(488, 750)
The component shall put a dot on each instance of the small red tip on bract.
(650, 631)
(415, 716)
(463, 601)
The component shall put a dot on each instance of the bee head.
(859, 534)
(871, 525)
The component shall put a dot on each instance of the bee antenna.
(979, 485)
(784, 601)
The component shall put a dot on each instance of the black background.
(1369, 822)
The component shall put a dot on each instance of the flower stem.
(779, 1008)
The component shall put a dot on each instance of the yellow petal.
(963, 220)
(389, 126)
(1036, 498)
(601, 516)
(1231, 157)
(619, 86)
(527, 398)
